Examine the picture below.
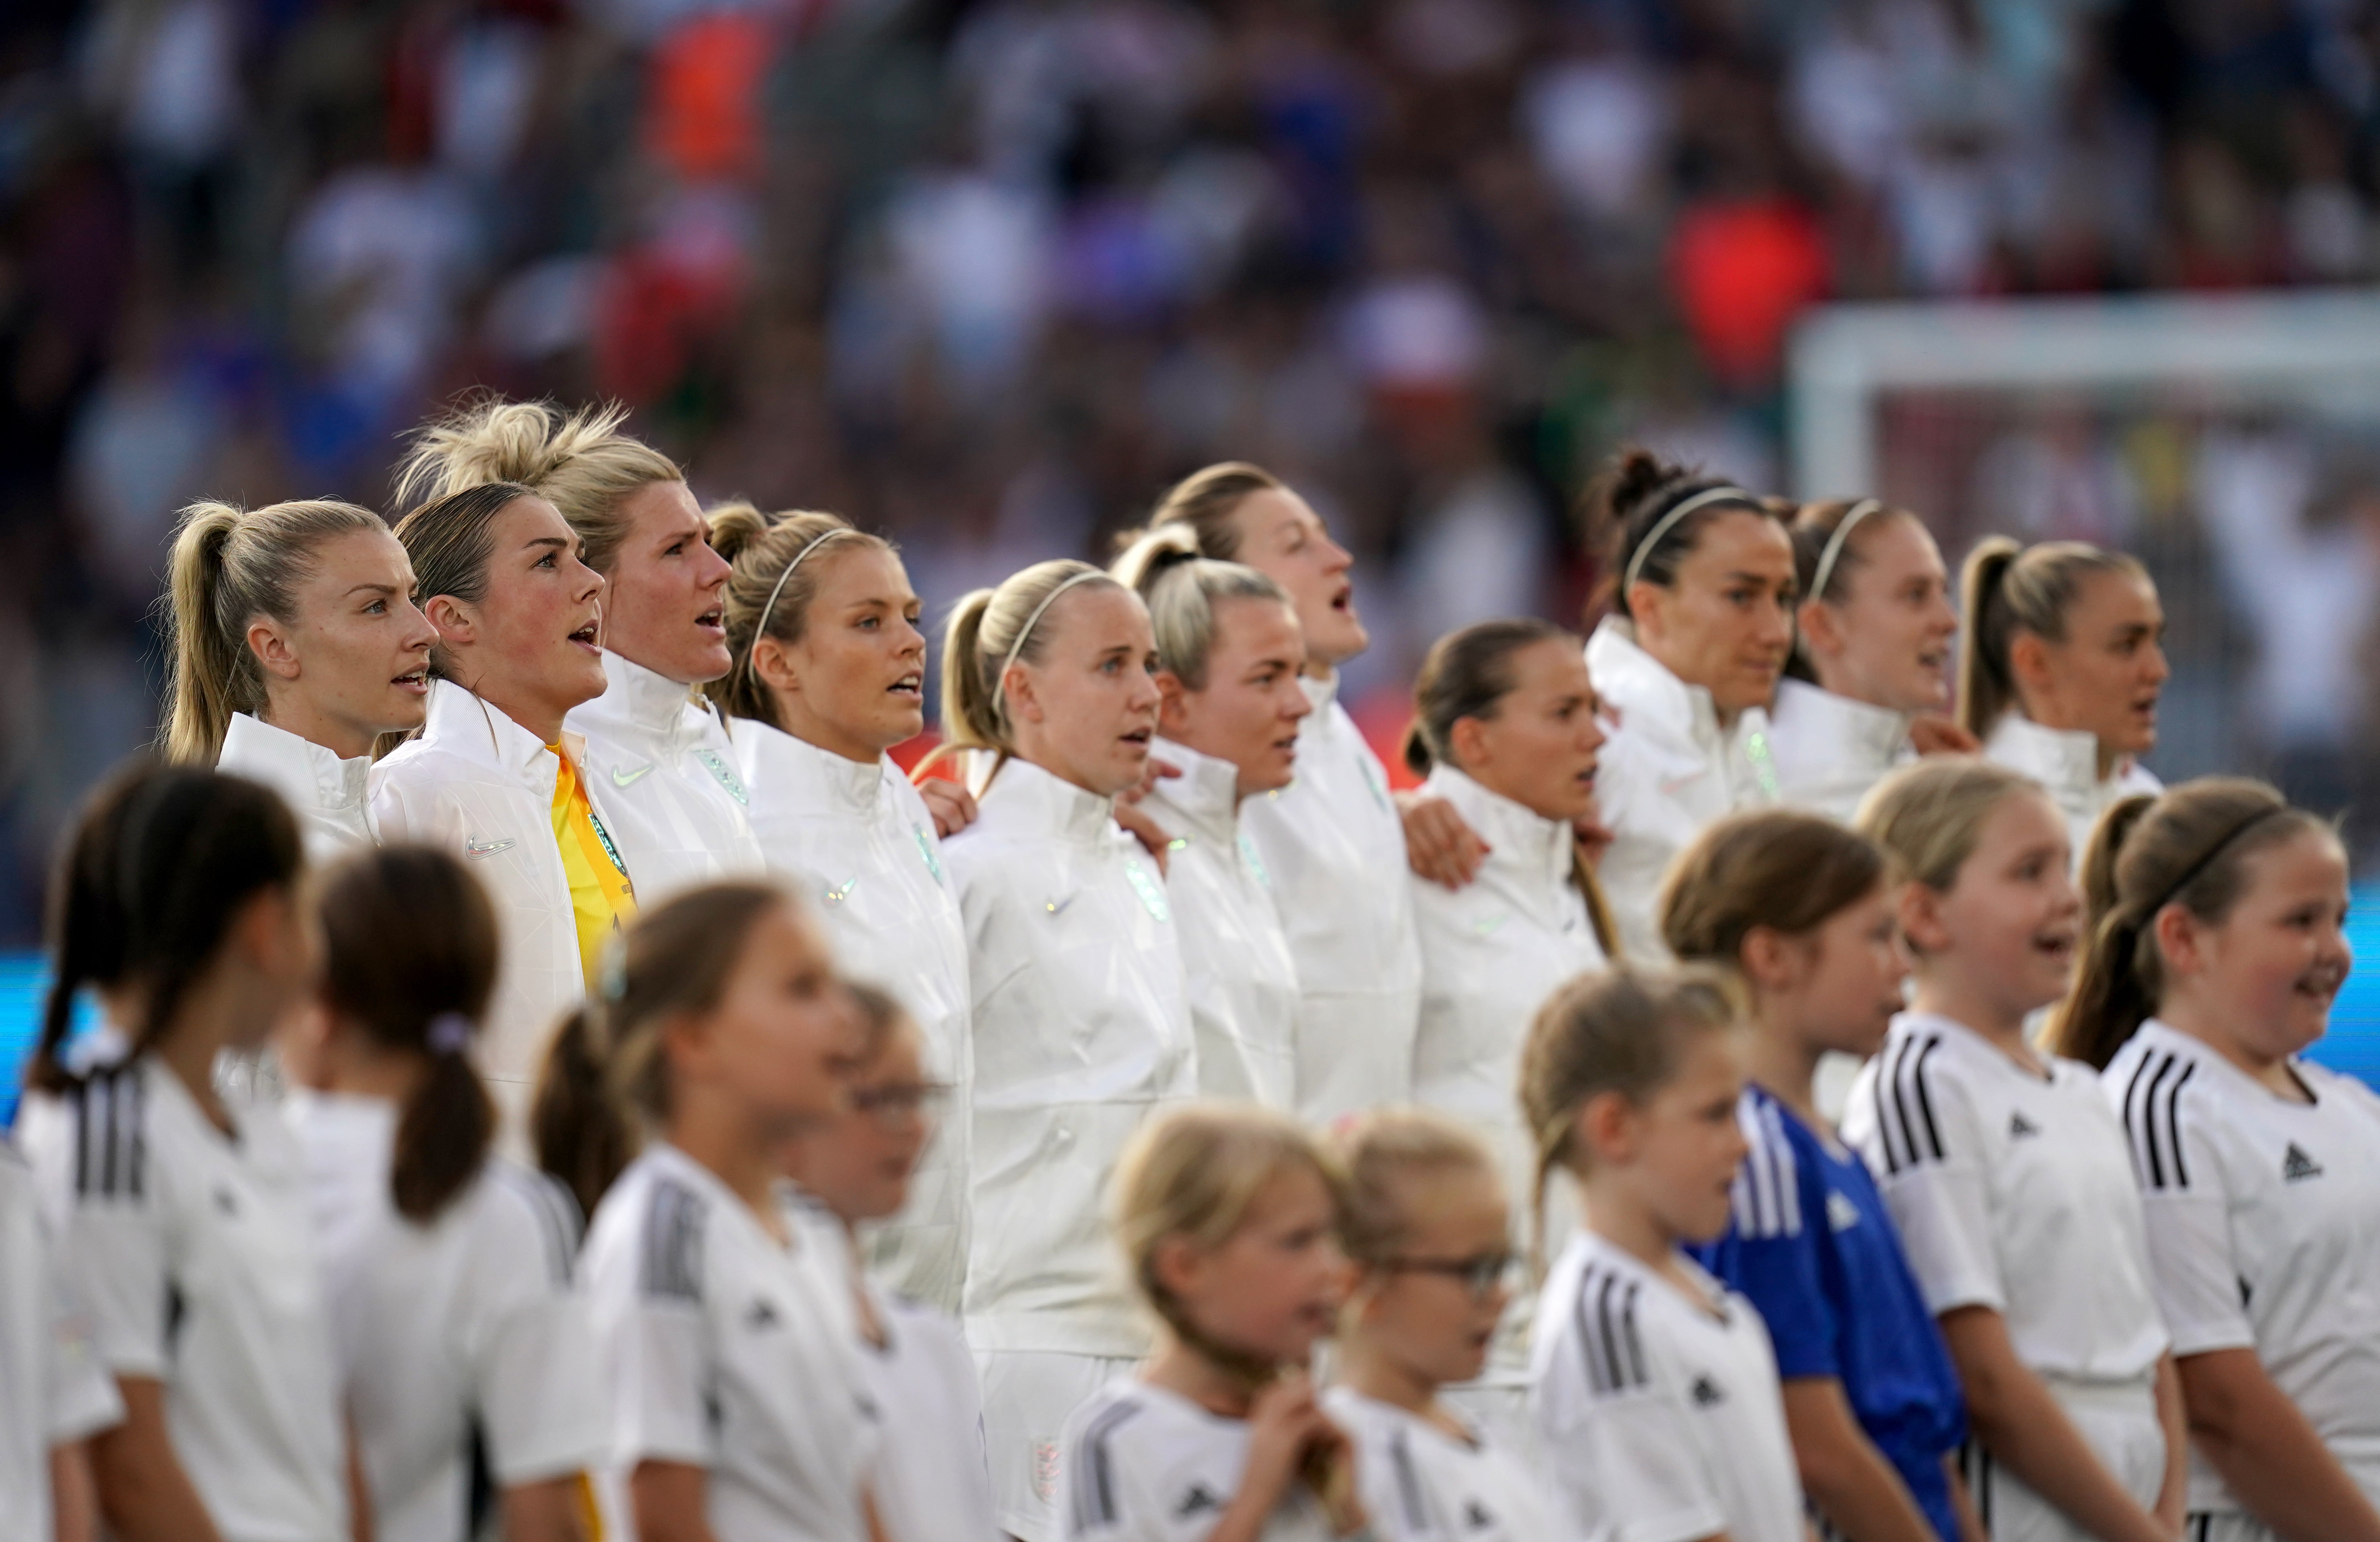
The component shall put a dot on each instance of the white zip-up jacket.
(481, 786)
(855, 840)
(1492, 952)
(2066, 762)
(326, 793)
(1082, 1028)
(1334, 846)
(1243, 982)
(674, 798)
(1829, 749)
(1668, 773)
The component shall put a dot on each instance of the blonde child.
(1428, 1229)
(1228, 1217)
(1655, 1387)
(2008, 1173)
(931, 1483)
(2216, 949)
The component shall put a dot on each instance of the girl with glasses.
(1427, 1228)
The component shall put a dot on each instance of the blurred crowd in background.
(987, 276)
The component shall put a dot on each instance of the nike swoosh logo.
(485, 848)
(629, 779)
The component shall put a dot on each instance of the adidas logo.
(762, 1315)
(1841, 1214)
(2297, 1165)
(2020, 1127)
(1199, 1499)
(1477, 1517)
(1708, 1393)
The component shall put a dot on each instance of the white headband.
(1834, 547)
(999, 683)
(762, 629)
(1661, 526)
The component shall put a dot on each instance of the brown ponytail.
(759, 548)
(2189, 846)
(409, 961)
(984, 629)
(1787, 872)
(2006, 588)
(1206, 503)
(231, 566)
(160, 866)
(605, 1082)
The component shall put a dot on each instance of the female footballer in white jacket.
(1082, 1019)
(1870, 682)
(1229, 657)
(676, 802)
(829, 675)
(494, 778)
(1505, 723)
(1686, 662)
(297, 645)
(2060, 671)
(1331, 841)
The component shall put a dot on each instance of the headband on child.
(1835, 542)
(1662, 525)
(999, 683)
(2191, 875)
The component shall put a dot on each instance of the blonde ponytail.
(773, 578)
(2006, 589)
(231, 566)
(988, 630)
(1182, 590)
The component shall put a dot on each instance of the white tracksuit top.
(2066, 762)
(326, 793)
(1831, 749)
(1082, 1027)
(1243, 981)
(1334, 847)
(855, 840)
(673, 796)
(1668, 773)
(479, 785)
(1492, 952)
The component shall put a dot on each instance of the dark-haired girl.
(449, 1267)
(2060, 669)
(183, 1217)
(1873, 654)
(494, 779)
(1701, 618)
(2216, 952)
(1504, 726)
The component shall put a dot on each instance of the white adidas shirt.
(1421, 1484)
(1144, 1464)
(1492, 952)
(194, 1255)
(1234, 953)
(727, 1351)
(1082, 1029)
(1668, 773)
(1334, 846)
(463, 1333)
(673, 797)
(479, 787)
(2263, 1231)
(326, 793)
(1831, 751)
(2012, 1191)
(2066, 763)
(856, 842)
(1659, 1415)
(57, 1391)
